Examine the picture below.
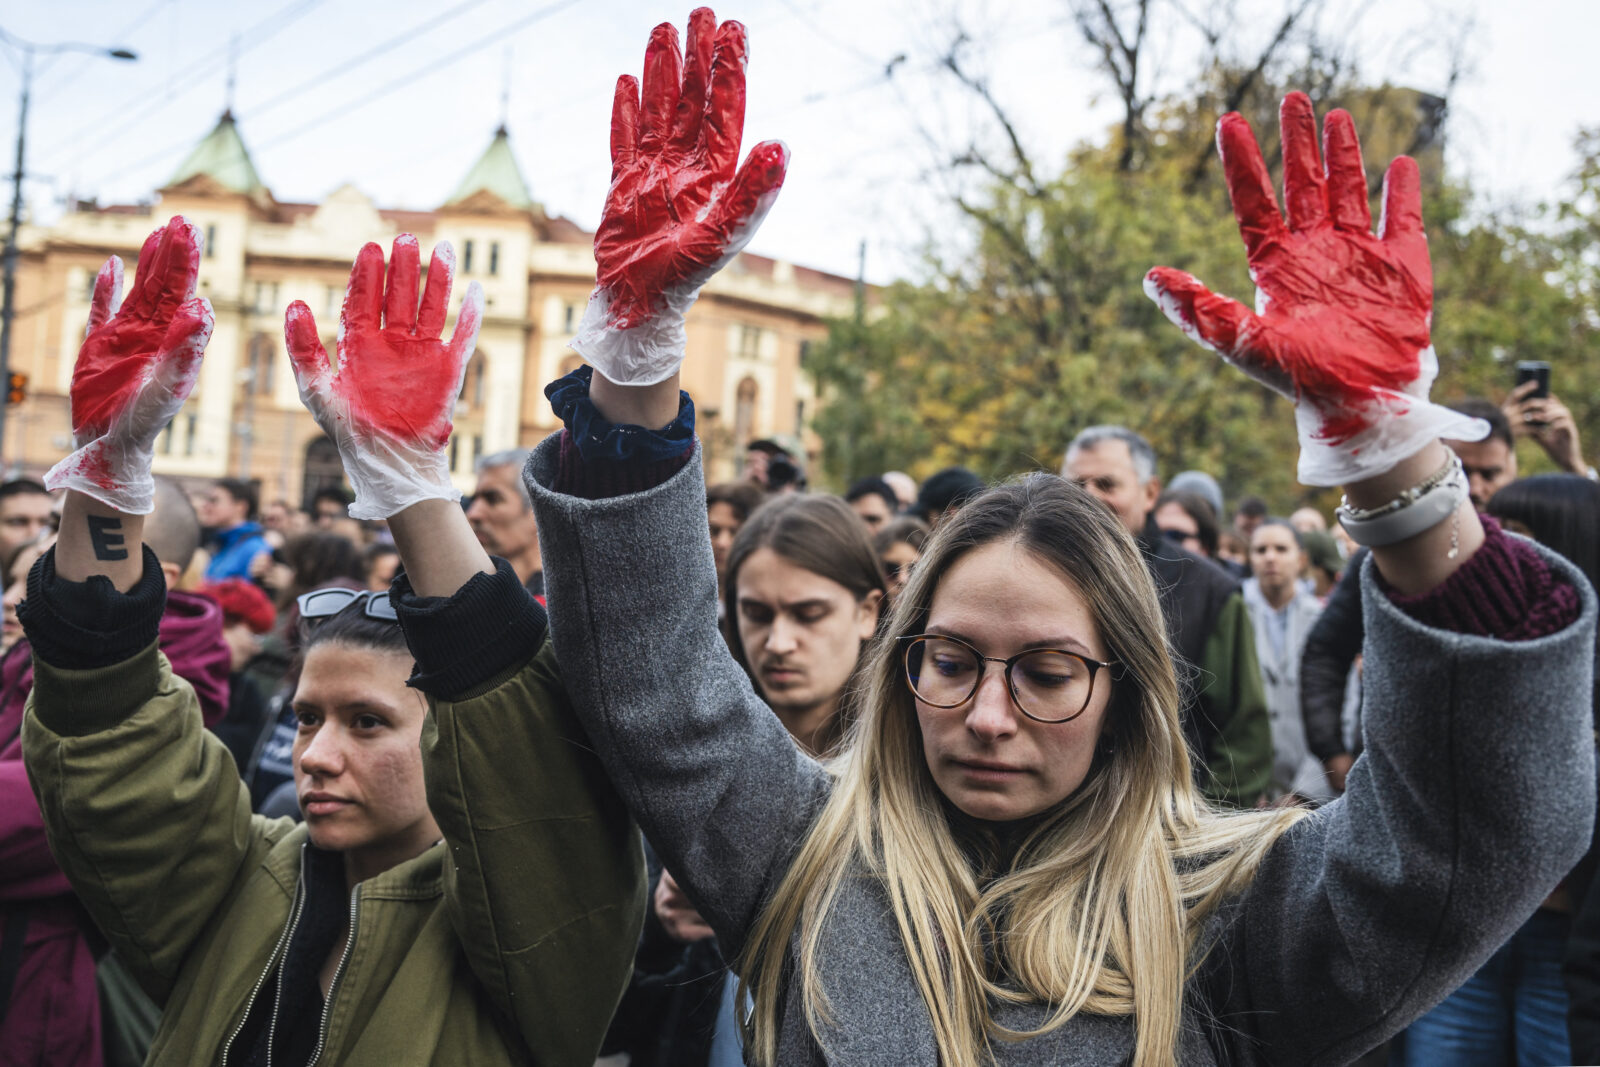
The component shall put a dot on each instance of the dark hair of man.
(1197, 508)
(743, 497)
(815, 533)
(22, 487)
(1487, 410)
(1252, 507)
(333, 493)
(910, 531)
(173, 529)
(872, 485)
(376, 551)
(1284, 524)
(1560, 511)
(354, 628)
(245, 492)
(317, 559)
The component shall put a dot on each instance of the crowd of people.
(1079, 767)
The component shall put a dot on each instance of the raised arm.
(1476, 790)
(137, 797)
(545, 883)
(719, 787)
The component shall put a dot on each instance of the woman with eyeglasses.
(1007, 861)
(466, 886)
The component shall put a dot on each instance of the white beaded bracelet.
(1416, 509)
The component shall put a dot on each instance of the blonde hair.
(1101, 908)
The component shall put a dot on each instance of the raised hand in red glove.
(1341, 320)
(135, 369)
(388, 403)
(677, 211)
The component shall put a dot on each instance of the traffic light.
(16, 388)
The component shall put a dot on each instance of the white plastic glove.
(135, 370)
(1341, 323)
(676, 212)
(388, 404)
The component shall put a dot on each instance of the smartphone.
(1534, 370)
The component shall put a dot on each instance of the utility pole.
(8, 309)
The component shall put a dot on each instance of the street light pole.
(8, 308)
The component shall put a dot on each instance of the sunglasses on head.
(321, 604)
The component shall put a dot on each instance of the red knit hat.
(242, 602)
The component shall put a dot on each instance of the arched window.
(322, 470)
(472, 381)
(744, 411)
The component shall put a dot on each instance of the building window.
(164, 446)
(799, 417)
(805, 350)
(258, 379)
(744, 411)
(494, 257)
(266, 297)
(211, 241)
(466, 257)
(333, 302)
(455, 453)
(570, 322)
(477, 448)
(749, 342)
(188, 440)
(472, 380)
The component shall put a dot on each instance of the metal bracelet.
(1413, 511)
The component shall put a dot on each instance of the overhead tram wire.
(167, 152)
(432, 67)
(84, 62)
(375, 52)
(251, 38)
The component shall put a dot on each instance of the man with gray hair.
(1208, 628)
(502, 517)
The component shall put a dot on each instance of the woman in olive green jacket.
(492, 920)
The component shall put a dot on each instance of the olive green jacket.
(509, 942)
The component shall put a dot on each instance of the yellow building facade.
(747, 333)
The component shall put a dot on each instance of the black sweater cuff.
(87, 625)
(462, 642)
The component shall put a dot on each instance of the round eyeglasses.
(1049, 685)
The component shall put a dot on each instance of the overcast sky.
(400, 97)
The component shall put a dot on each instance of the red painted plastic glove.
(135, 370)
(677, 211)
(387, 404)
(1341, 320)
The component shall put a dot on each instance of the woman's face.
(989, 759)
(11, 627)
(358, 758)
(897, 561)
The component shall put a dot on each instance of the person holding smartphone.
(1535, 412)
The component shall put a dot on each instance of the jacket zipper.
(283, 939)
(338, 973)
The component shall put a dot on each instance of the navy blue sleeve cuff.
(85, 625)
(462, 642)
(599, 441)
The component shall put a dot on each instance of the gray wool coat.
(1473, 799)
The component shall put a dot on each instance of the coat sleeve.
(546, 881)
(1331, 648)
(718, 786)
(145, 813)
(1240, 756)
(1474, 797)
